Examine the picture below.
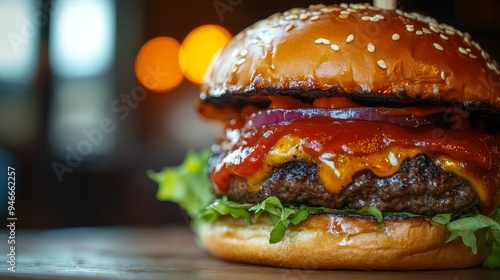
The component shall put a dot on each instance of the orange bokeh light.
(157, 64)
(198, 49)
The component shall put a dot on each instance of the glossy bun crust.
(357, 51)
(342, 242)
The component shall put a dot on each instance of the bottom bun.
(330, 241)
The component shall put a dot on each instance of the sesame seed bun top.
(354, 50)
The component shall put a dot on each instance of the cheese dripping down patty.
(337, 170)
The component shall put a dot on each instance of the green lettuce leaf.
(189, 186)
(465, 227)
(493, 260)
(442, 219)
(282, 216)
(225, 207)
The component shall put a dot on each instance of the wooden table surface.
(159, 253)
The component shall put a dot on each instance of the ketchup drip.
(246, 148)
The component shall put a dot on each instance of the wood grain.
(161, 253)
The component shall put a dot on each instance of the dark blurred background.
(67, 72)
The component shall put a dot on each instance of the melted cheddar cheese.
(336, 170)
(457, 168)
(340, 148)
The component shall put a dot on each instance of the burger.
(354, 138)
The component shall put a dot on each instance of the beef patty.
(419, 187)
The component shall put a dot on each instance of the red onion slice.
(279, 116)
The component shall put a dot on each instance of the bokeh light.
(198, 49)
(157, 64)
(19, 42)
(82, 39)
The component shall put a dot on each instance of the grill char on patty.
(419, 187)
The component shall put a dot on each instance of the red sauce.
(248, 148)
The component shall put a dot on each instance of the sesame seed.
(399, 12)
(335, 47)
(426, 19)
(419, 32)
(477, 46)
(344, 5)
(370, 47)
(426, 31)
(359, 6)
(410, 28)
(343, 16)
(317, 6)
(462, 50)
(349, 38)
(316, 17)
(365, 18)
(293, 11)
(344, 12)
(485, 55)
(243, 52)
(434, 28)
(422, 18)
(235, 68)
(444, 37)
(374, 19)
(467, 40)
(241, 61)
(408, 15)
(382, 64)
(303, 16)
(395, 36)
(379, 16)
(234, 53)
(273, 23)
(449, 32)
(449, 27)
(468, 50)
(438, 46)
(290, 17)
(443, 75)
(289, 27)
(494, 66)
(490, 65)
(327, 10)
(322, 41)
(472, 56)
